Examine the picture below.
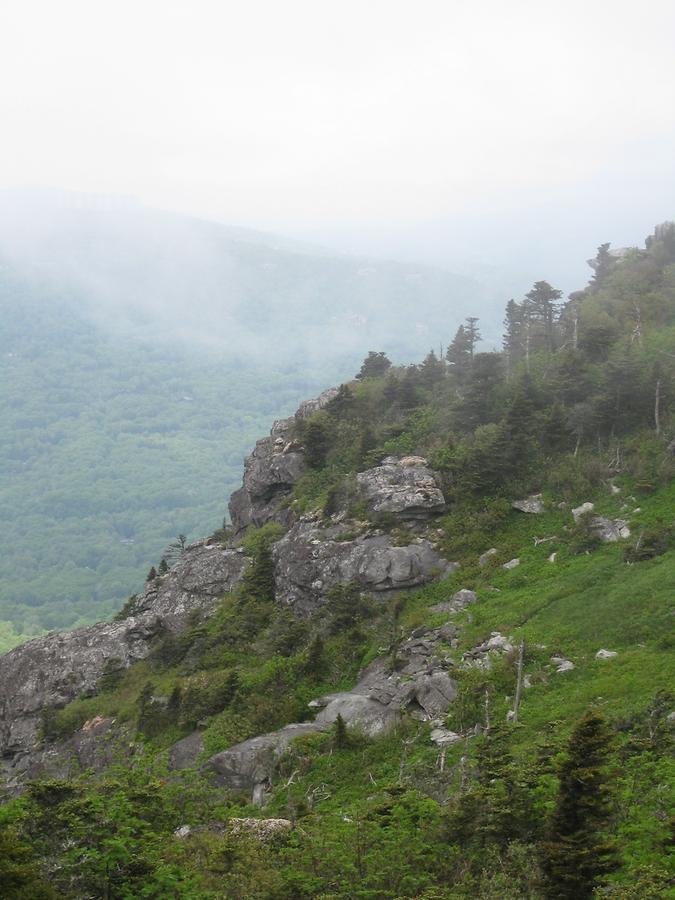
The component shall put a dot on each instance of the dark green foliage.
(152, 574)
(316, 660)
(578, 850)
(20, 876)
(374, 365)
(540, 312)
(650, 542)
(340, 734)
(163, 567)
(112, 674)
(316, 441)
(459, 354)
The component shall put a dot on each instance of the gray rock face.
(271, 471)
(249, 766)
(533, 505)
(406, 487)
(609, 530)
(420, 687)
(53, 670)
(185, 752)
(203, 574)
(309, 560)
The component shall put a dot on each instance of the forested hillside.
(141, 354)
(539, 481)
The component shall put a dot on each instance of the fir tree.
(578, 851)
(316, 441)
(472, 333)
(163, 567)
(374, 365)
(316, 662)
(431, 370)
(341, 735)
(460, 354)
(152, 574)
(541, 310)
(513, 341)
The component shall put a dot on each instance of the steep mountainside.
(432, 657)
(140, 355)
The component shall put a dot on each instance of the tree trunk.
(657, 407)
(519, 680)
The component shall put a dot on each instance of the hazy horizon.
(514, 138)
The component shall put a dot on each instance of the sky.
(466, 134)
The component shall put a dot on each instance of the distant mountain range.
(140, 354)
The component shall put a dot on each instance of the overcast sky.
(411, 128)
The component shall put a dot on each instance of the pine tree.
(316, 662)
(431, 370)
(391, 390)
(152, 574)
(541, 311)
(343, 403)
(578, 851)
(479, 402)
(602, 265)
(163, 567)
(472, 333)
(374, 365)
(341, 735)
(513, 341)
(316, 441)
(460, 354)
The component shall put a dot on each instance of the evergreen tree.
(578, 851)
(152, 574)
(343, 403)
(163, 567)
(374, 365)
(514, 335)
(390, 390)
(541, 311)
(472, 333)
(341, 735)
(316, 662)
(602, 265)
(479, 402)
(431, 370)
(316, 441)
(460, 354)
(408, 395)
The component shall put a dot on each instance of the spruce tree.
(163, 567)
(459, 354)
(472, 333)
(578, 851)
(341, 736)
(152, 574)
(374, 365)
(541, 310)
(431, 370)
(513, 341)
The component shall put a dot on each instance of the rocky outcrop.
(418, 685)
(607, 530)
(310, 559)
(533, 505)
(51, 671)
(404, 486)
(199, 579)
(249, 766)
(272, 470)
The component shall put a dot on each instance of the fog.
(499, 141)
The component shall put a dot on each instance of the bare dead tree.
(519, 680)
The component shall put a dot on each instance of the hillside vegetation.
(140, 358)
(572, 796)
